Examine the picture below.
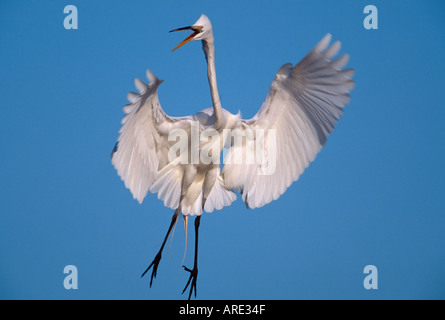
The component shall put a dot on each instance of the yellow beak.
(195, 29)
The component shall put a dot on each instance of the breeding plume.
(262, 155)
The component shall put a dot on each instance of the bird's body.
(303, 105)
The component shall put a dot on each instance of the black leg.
(157, 259)
(193, 273)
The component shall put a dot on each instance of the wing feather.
(140, 152)
(303, 105)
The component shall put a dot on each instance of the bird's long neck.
(209, 51)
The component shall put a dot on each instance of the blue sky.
(373, 196)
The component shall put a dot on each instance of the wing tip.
(140, 85)
(152, 78)
(323, 43)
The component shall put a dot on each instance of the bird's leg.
(157, 259)
(194, 272)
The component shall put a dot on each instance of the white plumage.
(302, 106)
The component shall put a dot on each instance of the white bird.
(302, 106)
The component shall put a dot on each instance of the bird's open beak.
(195, 29)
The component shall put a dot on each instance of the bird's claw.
(193, 277)
(154, 264)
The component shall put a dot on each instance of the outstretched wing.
(142, 147)
(301, 109)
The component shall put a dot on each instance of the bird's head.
(202, 30)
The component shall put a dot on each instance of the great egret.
(303, 105)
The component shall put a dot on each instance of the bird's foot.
(192, 279)
(154, 264)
